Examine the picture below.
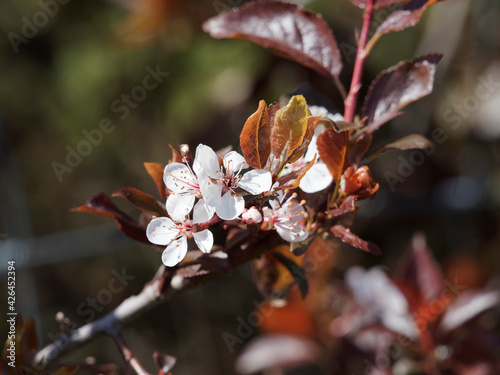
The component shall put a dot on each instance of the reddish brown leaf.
(397, 87)
(292, 179)
(290, 126)
(141, 200)
(346, 207)
(348, 237)
(420, 270)
(312, 121)
(176, 155)
(271, 110)
(378, 3)
(155, 170)
(100, 204)
(255, 138)
(286, 29)
(332, 148)
(410, 142)
(406, 17)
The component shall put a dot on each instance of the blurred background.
(68, 67)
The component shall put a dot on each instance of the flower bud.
(251, 216)
(358, 182)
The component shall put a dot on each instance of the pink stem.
(352, 98)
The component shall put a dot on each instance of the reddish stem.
(352, 98)
(127, 354)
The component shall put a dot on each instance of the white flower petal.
(211, 191)
(234, 162)
(175, 252)
(256, 181)
(180, 205)
(316, 179)
(202, 212)
(268, 213)
(229, 207)
(204, 240)
(312, 149)
(299, 233)
(161, 231)
(179, 178)
(208, 161)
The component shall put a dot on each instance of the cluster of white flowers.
(218, 189)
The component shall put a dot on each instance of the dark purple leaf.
(286, 29)
(100, 204)
(410, 142)
(141, 200)
(359, 148)
(420, 270)
(348, 237)
(406, 17)
(397, 87)
(378, 3)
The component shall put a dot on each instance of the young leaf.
(100, 204)
(284, 28)
(155, 170)
(290, 126)
(397, 87)
(377, 3)
(255, 138)
(332, 148)
(295, 271)
(406, 17)
(141, 200)
(312, 121)
(348, 237)
(292, 179)
(410, 142)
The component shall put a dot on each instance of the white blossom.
(184, 185)
(286, 218)
(174, 234)
(219, 186)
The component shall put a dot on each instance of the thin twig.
(162, 287)
(127, 354)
